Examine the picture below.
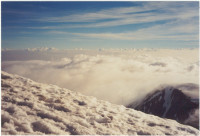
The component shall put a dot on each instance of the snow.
(155, 95)
(160, 98)
(33, 108)
(167, 99)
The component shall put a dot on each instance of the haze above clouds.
(119, 76)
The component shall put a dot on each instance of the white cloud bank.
(117, 76)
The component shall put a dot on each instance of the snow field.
(34, 108)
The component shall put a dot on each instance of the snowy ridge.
(34, 108)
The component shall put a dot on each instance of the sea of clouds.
(119, 76)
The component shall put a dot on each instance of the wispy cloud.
(169, 31)
(149, 12)
(173, 21)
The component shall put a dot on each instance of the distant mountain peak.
(169, 103)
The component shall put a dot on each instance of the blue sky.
(100, 24)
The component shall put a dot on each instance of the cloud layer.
(145, 12)
(181, 22)
(120, 78)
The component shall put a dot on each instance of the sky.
(96, 25)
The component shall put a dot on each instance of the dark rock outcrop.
(169, 103)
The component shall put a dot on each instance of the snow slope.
(34, 108)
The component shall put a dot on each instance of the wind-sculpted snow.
(34, 108)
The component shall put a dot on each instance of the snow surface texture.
(34, 108)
